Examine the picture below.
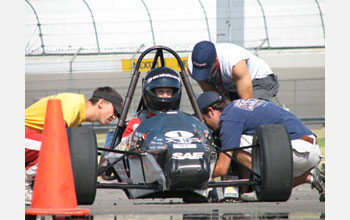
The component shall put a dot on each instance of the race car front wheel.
(83, 151)
(272, 160)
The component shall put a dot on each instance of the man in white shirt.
(232, 71)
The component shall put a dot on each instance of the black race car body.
(175, 154)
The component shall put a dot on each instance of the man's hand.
(222, 165)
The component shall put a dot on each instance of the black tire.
(273, 161)
(30, 217)
(83, 151)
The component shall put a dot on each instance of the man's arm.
(222, 165)
(243, 80)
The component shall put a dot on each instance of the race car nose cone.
(188, 173)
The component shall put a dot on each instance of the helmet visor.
(165, 81)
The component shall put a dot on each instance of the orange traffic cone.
(54, 191)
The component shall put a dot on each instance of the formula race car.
(173, 154)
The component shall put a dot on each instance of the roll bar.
(133, 83)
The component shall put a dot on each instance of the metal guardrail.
(313, 121)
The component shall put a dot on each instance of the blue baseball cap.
(206, 99)
(203, 57)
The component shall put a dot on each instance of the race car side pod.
(125, 153)
(218, 150)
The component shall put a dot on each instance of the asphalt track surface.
(114, 204)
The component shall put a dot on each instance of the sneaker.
(318, 174)
(249, 197)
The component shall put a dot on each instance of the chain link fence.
(110, 27)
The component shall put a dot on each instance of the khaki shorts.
(305, 155)
(265, 88)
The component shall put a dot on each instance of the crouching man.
(242, 117)
(104, 106)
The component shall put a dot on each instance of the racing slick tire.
(273, 161)
(83, 151)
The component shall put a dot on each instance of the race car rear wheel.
(273, 161)
(83, 151)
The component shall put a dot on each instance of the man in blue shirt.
(242, 117)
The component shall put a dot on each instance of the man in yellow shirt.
(104, 106)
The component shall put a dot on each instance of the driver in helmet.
(161, 93)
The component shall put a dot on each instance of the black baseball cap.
(206, 99)
(117, 101)
(203, 57)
